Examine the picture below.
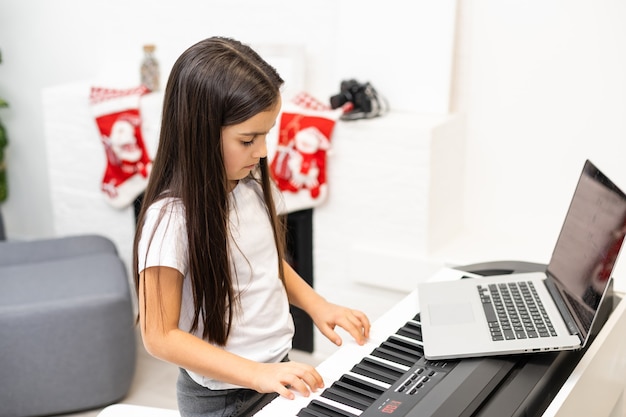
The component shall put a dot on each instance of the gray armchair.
(67, 337)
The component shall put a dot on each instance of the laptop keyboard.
(514, 311)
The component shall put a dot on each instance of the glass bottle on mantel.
(150, 68)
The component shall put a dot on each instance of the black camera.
(354, 92)
(366, 102)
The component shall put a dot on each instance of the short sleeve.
(164, 239)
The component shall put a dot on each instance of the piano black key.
(412, 347)
(349, 395)
(377, 370)
(376, 390)
(403, 352)
(311, 411)
(392, 355)
(308, 412)
(317, 408)
(411, 330)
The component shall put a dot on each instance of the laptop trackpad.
(449, 314)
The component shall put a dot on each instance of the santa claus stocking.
(128, 163)
(299, 166)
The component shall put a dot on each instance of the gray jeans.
(194, 400)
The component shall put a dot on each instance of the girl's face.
(244, 144)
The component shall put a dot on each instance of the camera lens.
(338, 100)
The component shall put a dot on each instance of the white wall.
(543, 83)
(544, 87)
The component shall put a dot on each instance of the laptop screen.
(589, 243)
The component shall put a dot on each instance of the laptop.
(561, 308)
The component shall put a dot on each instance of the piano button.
(317, 408)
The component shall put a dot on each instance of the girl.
(213, 287)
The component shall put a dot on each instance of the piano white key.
(409, 340)
(340, 406)
(381, 384)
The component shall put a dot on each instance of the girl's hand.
(283, 376)
(355, 322)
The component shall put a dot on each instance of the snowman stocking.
(128, 163)
(299, 165)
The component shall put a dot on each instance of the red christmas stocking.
(299, 166)
(119, 122)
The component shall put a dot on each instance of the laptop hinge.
(560, 304)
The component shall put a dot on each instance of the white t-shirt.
(263, 328)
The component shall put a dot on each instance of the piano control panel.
(412, 387)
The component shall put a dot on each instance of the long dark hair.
(215, 83)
